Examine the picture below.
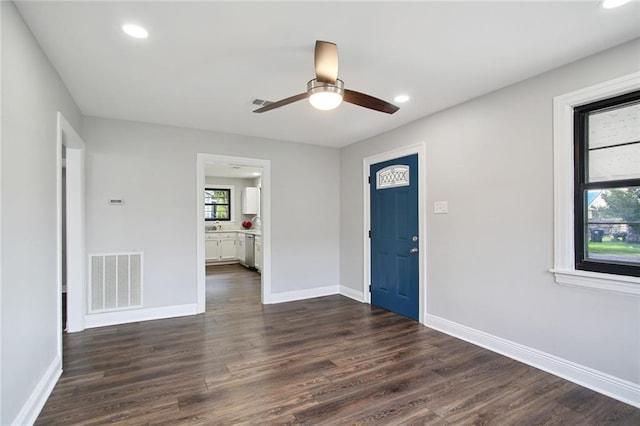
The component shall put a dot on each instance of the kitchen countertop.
(244, 231)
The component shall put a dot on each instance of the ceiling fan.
(327, 91)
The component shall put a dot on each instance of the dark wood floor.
(322, 361)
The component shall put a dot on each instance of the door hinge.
(369, 233)
(369, 288)
(369, 180)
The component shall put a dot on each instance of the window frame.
(564, 269)
(228, 190)
(581, 184)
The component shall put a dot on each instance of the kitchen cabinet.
(210, 248)
(251, 200)
(227, 248)
(258, 253)
(240, 252)
(220, 246)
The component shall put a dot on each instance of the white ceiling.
(204, 62)
(231, 170)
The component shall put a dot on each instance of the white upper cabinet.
(251, 200)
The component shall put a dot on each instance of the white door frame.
(419, 149)
(75, 226)
(202, 161)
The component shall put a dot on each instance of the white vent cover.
(261, 102)
(116, 281)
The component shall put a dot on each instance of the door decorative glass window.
(392, 176)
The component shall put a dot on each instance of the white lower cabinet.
(227, 248)
(240, 252)
(220, 246)
(210, 248)
(258, 253)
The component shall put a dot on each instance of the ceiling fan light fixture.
(325, 96)
(135, 31)
(612, 4)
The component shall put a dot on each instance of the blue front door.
(394, 235)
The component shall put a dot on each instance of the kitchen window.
(607, 185)
(595, 179)
(217, 204)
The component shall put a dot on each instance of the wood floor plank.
(323, 361)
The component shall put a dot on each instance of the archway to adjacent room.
(205, 160)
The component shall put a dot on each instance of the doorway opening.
(70, 229)
(233, 224)
(233, 221)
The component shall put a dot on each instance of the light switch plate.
(441, 207)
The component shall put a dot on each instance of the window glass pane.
(221, 197)
(222, 212)
(613, 143)
(617, 163)
(613, 225)
(208, 212)
(614, 126)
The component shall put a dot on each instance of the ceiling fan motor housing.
(324, 95)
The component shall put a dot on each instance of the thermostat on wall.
(116, 201)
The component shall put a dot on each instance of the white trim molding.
(31, 409)
(419, 149)
(564, 257)
(137, 315)
(75, 225)
(612, 283)
(598, 381)
(310, 293)
(356, 295)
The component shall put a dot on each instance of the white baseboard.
(598, 381)
(136, 315)
(292, 296)
(31, 409)
(356, 295)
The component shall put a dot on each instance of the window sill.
(620, 284)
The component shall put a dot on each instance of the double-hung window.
(607, 185)
(596, 143)
(217, 204)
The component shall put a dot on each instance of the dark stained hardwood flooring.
(324, 361)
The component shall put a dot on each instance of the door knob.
(413, 250)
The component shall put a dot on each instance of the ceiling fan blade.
(326, 61)
(370, 102)
(282, 102)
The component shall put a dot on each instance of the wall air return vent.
(115, 282)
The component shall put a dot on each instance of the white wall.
(489, 258)
(154, 169)
(32, 93)
(236, 202)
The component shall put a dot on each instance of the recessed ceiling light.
(401, 99)
(135, 31)
(610, 4)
